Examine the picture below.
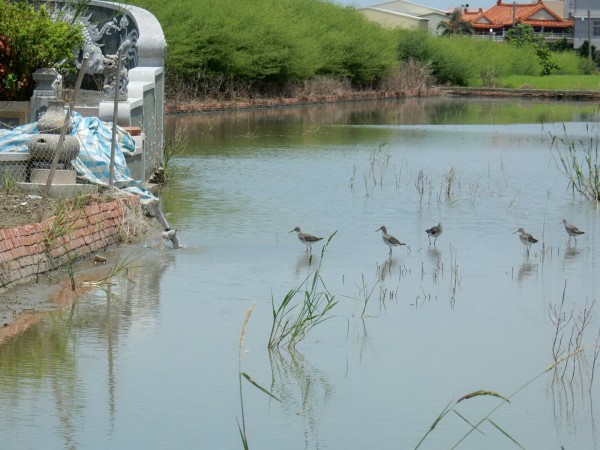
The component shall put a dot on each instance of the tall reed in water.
(242, 425)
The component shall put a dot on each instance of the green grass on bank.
(549, 82)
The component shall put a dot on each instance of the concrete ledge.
(60, 176)
(13, 157)
(59, 190)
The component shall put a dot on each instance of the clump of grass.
(62, 225)
(174, 146)
(423, 183)
(420, 186)
(570, 327)
(10, 184)
(579, 161)
(321, 85)
(454, 276)
(380, 159)
(446, 190)
(292, 319)
(450, 178)
(364, 293)
(490, 77)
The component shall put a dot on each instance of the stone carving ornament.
(98, 62)
(111, 67)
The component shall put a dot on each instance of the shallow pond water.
(155, 362)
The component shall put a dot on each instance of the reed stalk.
(380, 159)
(242, 426)
(243, 375)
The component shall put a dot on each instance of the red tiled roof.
(501, 15)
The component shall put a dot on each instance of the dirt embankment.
(232, 105)
(19, 209)
(227, 105)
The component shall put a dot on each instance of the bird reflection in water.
(525, 270)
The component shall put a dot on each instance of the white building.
(404, 14)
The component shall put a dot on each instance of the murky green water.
(154, 364)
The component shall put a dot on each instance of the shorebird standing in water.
(388, 239)
(526, 238)
(571, 230)
(306, 238)
(434, 232)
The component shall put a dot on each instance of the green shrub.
(270, 42)
(415, 45)
(464, 60)
(30, 40)
(453, 59)
(570, 63)
(586, 67)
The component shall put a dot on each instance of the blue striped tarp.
(93, 162)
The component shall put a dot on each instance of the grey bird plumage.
(434, 232)
(571, 230)
(388, 239)
(526, 238)
(306, 238)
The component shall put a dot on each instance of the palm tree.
(455, 25)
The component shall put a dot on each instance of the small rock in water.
(99, 259)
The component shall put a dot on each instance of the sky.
(439, 4)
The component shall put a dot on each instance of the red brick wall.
(28, 250)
